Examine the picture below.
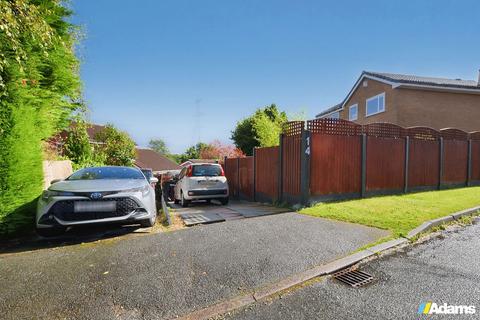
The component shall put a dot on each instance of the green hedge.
(39, 92)
(21, 171)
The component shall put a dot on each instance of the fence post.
(364, 165)
(255, 174)
(440, 171)
(469, 163)
(280, 169)
(407, 156)
(305, 167)
(238, 177)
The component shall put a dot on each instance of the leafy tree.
(261, 129)
(78, 148)
(117, 146)
(218, 150)
(159, 146)
(77, 145)
(193, 152)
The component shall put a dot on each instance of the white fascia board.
(359, 81)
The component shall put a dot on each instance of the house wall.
(360, 97)
(437, 109)
(412, 107)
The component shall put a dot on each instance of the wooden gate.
(291, 159)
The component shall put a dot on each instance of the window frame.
(337, 113)
(378, 106)
(350, 110)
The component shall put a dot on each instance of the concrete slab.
(203, 213)
(191, 219)
(231, 216)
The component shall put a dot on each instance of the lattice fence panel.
(422, 133)
(293, 128)
(334, 127)
(384, 130)
(453, 134)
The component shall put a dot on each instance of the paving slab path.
(205, 213)
(163, 275)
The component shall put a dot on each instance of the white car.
(201, 181)
(97, 195)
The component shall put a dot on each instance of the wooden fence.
(331, 159)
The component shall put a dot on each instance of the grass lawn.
(399, 213)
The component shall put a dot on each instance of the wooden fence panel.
(246, 178)
(455, 159)
(266, 175)
(475, 160)
(385, 164)
(291, 150)
(424, 163)
(231, 172)
(335, 164)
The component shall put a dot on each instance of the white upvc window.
(335, 115)
(353, 112)
(375, 105)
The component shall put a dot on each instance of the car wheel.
(224, 201)
(184, 202)
(50, 232)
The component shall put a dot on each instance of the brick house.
(408, 101)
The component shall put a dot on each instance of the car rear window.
(207, 170)
(99, 173)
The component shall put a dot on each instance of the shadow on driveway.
(76, 235)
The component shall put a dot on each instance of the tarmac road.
(442, 270)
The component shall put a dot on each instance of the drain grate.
(354, 278)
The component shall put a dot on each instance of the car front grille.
(64, 209)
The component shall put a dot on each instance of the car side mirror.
(55, 181)
(153, 180)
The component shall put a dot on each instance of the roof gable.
(148, 158)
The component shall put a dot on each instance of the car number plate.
(208, 182)
(95, 206)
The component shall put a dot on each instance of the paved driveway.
(162, 275)
(443, 270)
(204, 213)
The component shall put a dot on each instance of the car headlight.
(47, 194)
(145, 190)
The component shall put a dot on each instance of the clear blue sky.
(188, 70)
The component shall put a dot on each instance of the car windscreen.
(148, 174)
(104, 173)
(206, 170)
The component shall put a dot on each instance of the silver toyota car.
(97, 195)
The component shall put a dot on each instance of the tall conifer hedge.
(39, 91)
